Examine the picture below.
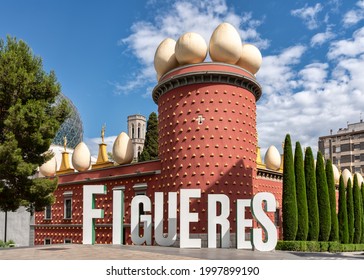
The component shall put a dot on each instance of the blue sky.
(102, 53)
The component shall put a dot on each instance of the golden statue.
(65, 143)
(103, 133)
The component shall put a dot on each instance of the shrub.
(324, 246)
(323, 200)
(334, 247)
(311, 191)
(357, 211)
(343, 214)
(289, 202)
(334, 234)
(313, 246)
(302, 229)
(350, 207)
(317, 246)
(7, 244)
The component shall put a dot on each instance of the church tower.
(136, 132)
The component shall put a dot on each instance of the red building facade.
(207, 140)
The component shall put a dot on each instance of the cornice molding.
(211, 77)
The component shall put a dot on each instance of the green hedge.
(7, 244)
(317, 246)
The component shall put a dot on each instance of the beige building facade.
(345, 148)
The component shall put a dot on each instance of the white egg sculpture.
(346, 176)
(165, 58)
(225, 44)
(272, 158)
(49, 168)
(359, 179)
(250, 59)
(122, 150)
(190, 48)
(336, 174)
(81, 157)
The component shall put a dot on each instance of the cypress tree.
(289, 203)
(323, 199)
(362, 203)
(343, 214)
(350, 207)
(357, 211)
(334, 234)
(311, 191)
(302, 229)
(150, 150)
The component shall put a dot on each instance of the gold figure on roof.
(65, 143)
(103, 133)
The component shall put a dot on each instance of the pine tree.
(334, 234)
(150, 150)
(323, 199)
(29, 120)
(311, 191)
(357, 211)
(350, 207)
(302, 229)
(343, 214)
(289, 202)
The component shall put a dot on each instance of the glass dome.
(71, 128)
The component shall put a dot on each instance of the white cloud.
(321, 38)
(309, 15)
(183, 16)
(349, 48)
(313, 76)
(325, 95)
(276, 74)
(353, 16)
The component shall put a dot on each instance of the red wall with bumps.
(218, 156)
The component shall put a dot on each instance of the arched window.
(138, 130)
(132, 130)
(139, 151)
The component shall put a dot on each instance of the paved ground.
(116, 252)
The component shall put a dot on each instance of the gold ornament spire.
(65, 143)
(103, 133)
(65, 164)
(102, 158)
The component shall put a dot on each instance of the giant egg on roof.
(250, 59)
(336, 174)
(225, 44)
(190, 48)
(122, 151)
(272, 158)
(81, 157)
(346, 176)
(165, 58)
(359, 179)
(49, 168)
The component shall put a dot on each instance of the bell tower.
(136, 132)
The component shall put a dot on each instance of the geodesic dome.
(71, 128)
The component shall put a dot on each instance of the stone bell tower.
(136, 132)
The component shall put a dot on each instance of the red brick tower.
(207, 133)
